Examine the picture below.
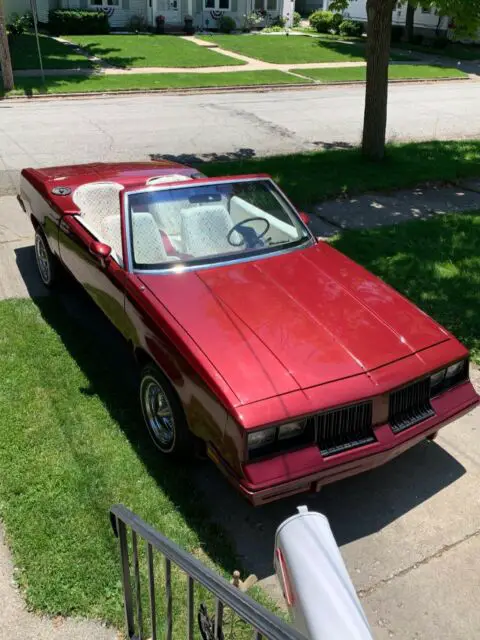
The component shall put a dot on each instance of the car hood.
(293, 321)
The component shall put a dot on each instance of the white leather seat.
(96, 201)
(205, 229)
(111, 231)
(148, 247)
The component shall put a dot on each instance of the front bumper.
(306, 470)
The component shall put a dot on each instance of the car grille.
(410, 405)
(344, 429)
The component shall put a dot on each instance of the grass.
(72, 444)
(55, 55)
(396, 72)
(138, 82)
(309, 178)
(435, 263)
(455, 50)
(292, 49)
(151, 51)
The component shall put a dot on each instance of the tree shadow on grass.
(109, 55)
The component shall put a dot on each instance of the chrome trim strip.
(189, 185)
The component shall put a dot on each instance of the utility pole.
(5, 60)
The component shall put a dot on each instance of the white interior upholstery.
(99, 206)
(148, 247)
(97, 200)
(205, 229)
(240, 210)
(168, 215)
(112, 233)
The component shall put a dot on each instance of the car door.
(104, 280)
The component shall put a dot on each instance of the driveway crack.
(364, 593)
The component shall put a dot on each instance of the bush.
(279, 21)
(417, 39)
(441, 42)
(226, 24)
(337, 20)
(397, 33)
(351, 28)
(321, 21)
(274, 29)
(20, 24)
(296, 18)
(137, 23)
(77, 22)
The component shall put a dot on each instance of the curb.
(258, 88)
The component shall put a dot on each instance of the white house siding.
(120, 15)
(16, 6)
(426, 22)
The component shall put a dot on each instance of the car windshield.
(210, 223)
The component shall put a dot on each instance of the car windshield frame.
(308, 239)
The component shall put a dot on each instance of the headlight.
(436, 381)
(447, 378)
(261, 438)
(290, 430)
(455, 370)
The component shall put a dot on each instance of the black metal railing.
(263, 623)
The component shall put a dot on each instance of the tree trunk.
(410, 22)
(5, 60)
(379, 30)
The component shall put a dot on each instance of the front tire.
(163, 413)
(46, 262)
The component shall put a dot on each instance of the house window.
(219, 5)
(104, 3)
(426, 10)
(265, 5)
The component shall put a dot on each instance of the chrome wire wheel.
(43, 259)
(158, 414)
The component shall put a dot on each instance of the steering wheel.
(250, 237)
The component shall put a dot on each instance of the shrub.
(275, 29)
(137, 23)
(20, 24)
(351, 28)
(226, 24)
(397, 32)
(417, 39)
(337, 20)
(279, 21)
(77, 22)
(321, 21)
(296, 18)
(441, 42)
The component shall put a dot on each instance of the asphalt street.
(46, 132)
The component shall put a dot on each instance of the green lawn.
(55, 55)
(72, 443)
(291, 49)
(455, 50)
(138, 82)
(309, 178)
(396, 72)
(435, 263)
(151, 51)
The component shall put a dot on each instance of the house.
(205, 13)
(426, 21)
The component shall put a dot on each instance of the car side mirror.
(304, 217)
(101, 251)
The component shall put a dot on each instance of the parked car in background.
(290, 365)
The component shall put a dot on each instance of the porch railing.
(263, 624)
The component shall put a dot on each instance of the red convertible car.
(287, 362)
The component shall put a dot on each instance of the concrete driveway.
(409, 531)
